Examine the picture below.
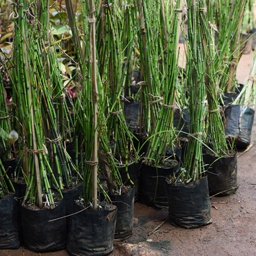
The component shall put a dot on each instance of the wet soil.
(233, 231)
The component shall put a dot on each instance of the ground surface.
(233, 231)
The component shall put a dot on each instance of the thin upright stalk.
(95, 107)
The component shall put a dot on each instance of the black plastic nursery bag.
(152, 184)
(91, 232)
(9, 236)
(125, 213)
(222, 174)
(189, 204)
(238, 123)
(133, 171)
(39, 234)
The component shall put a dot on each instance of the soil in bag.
(189, 204)
(39, 234)
(238, 123)
(125, 213)
(133, 171)
(222, 174)
(91, 232)
(9, 230)
(152, 183)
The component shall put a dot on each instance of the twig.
(160, 225)
(69, 214)
(223, 191)
(247, 149)
(177, 236)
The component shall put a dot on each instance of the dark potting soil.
(167, 164)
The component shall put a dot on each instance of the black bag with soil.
(152, 183)
(70, 196)
(140, 143)
(227, 98)
(125, 213)
(9, 230)
(181, 122)
(238, 124)
(222, 174)
(131, 112)
(20, 189)
(177, 151)
(189, 204)
(91, 232)
(39, 234)
(11, 165)
(133, 171)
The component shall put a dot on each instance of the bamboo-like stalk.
(95, 106)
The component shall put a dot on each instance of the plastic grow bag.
(131, 112)
(181, 122)
(9, 234)
(238, 124)
(222, 174)
(125, 213)
(133, 171)
(189, 204)
(152, 184)
(91, 232)
(70, 196)
(39, 234)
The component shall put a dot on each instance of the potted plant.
(40, 203)
(91, 229)
(158, 57)
(117, 152)
(219, 156)
(187, 189)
